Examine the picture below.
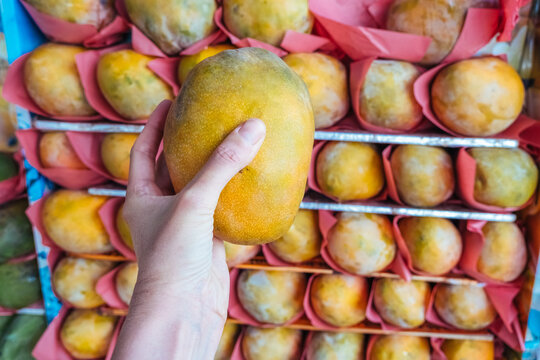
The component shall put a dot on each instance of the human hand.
(182, 268)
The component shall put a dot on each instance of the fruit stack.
(407, 240)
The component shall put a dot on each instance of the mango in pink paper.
(86, 334)
(325, 345)
(468, 349)
(90, 12)
(52, 80)
(71, 221)
(267, 21)
(115, 153)
(303, 240)
(125, 281)
(399, 347)
(129, 86)
(227, 341)
(272, 343)
(173, 25)
(326, 80)
(55, 151)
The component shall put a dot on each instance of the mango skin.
(238, 254)
(86, 334)
(303, 240)
(271, 344)
(188, 62)
(52, 80)
(173, 24)
(20, 284)
(74, 280)
(92, 12)
(123, 228)
(55, 151)
(326, 80)
(400, 347)
(465, 307)
(16, 238)
(227, 341)
(402, 303)
(504, 177)
(335, 346)
(504, 254)
(115, 152)
(71, 220)
(424, 175)
(387, 95)
(129, 86)
(259, 204)
(350, 170)
(441, 20)
(125, 281)
(468, 349)
(8, 167)
(267, 20)
(434, 244)
(272, 297)
(339, 299)
(478, 97)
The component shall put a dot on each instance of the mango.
(123, 228)
(504, 177)
(173, 25)
(238, 254)
(326, 345)
(20, 284)
(466, 307)
(227, 341)
(129, 86)
(504, 254)
(387, 95)
(478, 97)
(270, 344)
(74, 280)
(350, 170)
(71, 220)
(16, 238)
(115, 152)
(468, 349)
(272, 297)
(125, 281)
(188, 62)
(267, 21)
(21, 336)
(340, 300)
(399, 347)
(434, 244)
(424, 175)
(441, 20)
(4, 322)
(92, 12)
(8, 167)
(303, 240)
(55, 151)
(362, 243)
(52, 80)
(259, 204)
(86, 334)
(327, 83)
(401, 303)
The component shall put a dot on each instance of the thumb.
(232, 155)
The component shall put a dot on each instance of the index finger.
(143, 154)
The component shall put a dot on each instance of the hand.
(183, 277)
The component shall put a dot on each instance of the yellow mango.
(188, 62)
(400, 347)
(115, 151)
(92, 12)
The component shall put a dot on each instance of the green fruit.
(4, 322)
(15, 231)
(22, 334)
(8, 167)
(20, 285)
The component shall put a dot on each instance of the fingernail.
(252, 131)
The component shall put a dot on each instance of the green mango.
(19, 284)
(8, 166)
(4, 322)
(21, 336)
(15, 231)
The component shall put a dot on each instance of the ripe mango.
(259, 204)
